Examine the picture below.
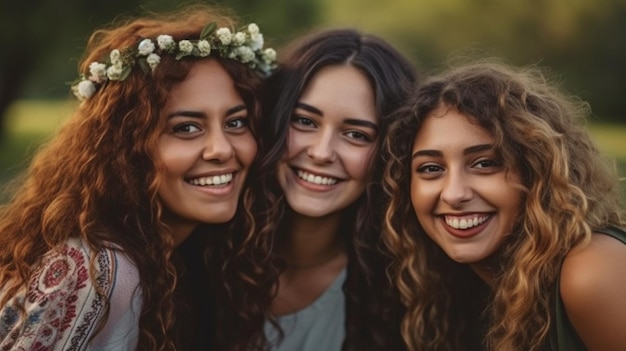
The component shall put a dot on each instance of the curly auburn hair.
(373, 309)
(569, 189)
(98, 177)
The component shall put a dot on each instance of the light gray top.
(319, 326)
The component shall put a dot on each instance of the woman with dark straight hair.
(327, 111)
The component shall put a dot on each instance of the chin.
(310, 211)
(219, 216)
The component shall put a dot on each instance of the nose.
(322, 149)
(456, 189)
(217, 147)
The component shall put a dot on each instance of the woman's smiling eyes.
(483, 166)
(429, 168)
(237, 123)
(186, 128)
(192, 127)
(487, 163)
(357, 135)
(305, 123)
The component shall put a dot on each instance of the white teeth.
(315, 179)
(465, 223)
(212, 180)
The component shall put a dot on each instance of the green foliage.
(582, 41)
(29, 32)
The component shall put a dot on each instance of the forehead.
(447, 128)
(341, 89)
(207, 84)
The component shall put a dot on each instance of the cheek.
(358, 162)
(246, 149)
(295, 143)
(505, 193)
(415, 196)
(423, 197)
(512, 201)
(174, 157)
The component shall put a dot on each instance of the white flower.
(115, 56)
(269, 55)
(114, 72)
(153, 60)
(239, 38)
(185, 47)
(223, 34)
(245, 47)
(204, 47)
(146, 47)
(98, 72)
(256, 41)
(85, 89)
(245, 54)
(166, 42)
(253, 28)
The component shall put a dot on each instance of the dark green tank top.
(565, 337)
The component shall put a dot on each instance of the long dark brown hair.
(373, 310)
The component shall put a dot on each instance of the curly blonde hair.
(98, 177)
(569, 189)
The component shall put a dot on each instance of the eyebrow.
(198, 114)
(361, 122)
(436, 153)
(351, 121)
(309, 108)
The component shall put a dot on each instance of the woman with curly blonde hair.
(504, 217)
(161, 143)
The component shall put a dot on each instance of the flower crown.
(245, 46)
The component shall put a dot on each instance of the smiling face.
(206, 147)
(462, 195)
(332, 136)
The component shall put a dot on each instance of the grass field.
(29, 123)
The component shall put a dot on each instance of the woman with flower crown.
(159, 147)
(328, 105)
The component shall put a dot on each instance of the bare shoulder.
(593, 289)
(587, 267)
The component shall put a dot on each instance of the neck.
(312, 242)
(180, 229)
(485, 272)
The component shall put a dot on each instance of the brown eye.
(237, 123)
(304, 121)
(429, 169)
(186, 128)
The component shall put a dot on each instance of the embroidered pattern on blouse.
(61, 303)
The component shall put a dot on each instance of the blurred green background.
(581, 41)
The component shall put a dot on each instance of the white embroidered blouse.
(63, 311)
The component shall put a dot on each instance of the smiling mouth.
(215, 180)
(466, 222)
(315, 179)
